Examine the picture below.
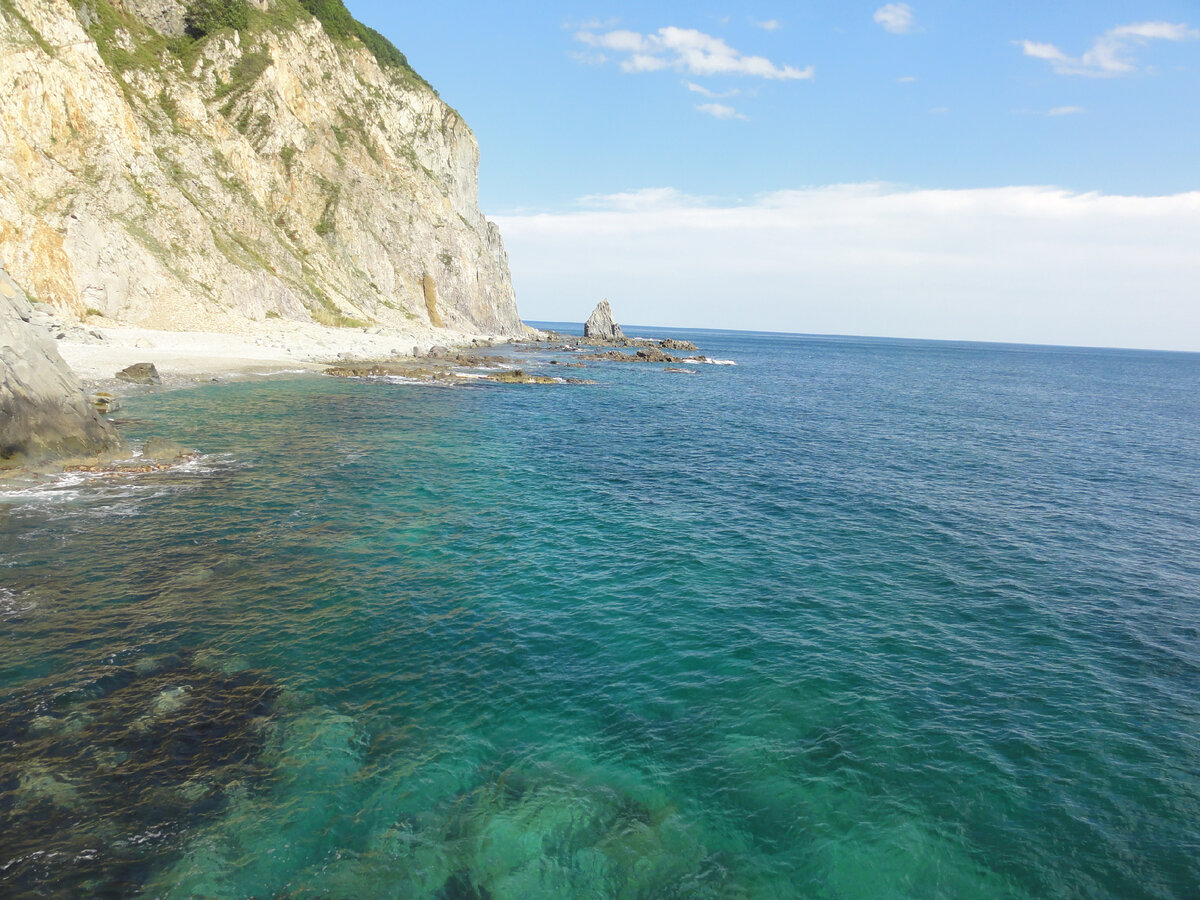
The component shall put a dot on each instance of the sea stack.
(600, 324)
(44, 414)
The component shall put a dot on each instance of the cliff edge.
(212, 165)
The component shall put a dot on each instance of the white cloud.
(720, 111)
(1066, 111)
(1111, 53)
(896, 18)
(688, 50)
(714, 95)
(906, 79)
(768, 25)
(1026, 264)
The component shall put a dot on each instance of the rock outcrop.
(600, 324)
(44, 414)
(291, 167)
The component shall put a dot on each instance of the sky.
(1007, 171)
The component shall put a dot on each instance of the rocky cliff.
(43, 412)
(214, 177)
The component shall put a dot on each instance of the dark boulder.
(140, 373)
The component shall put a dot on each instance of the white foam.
(113, 484)
(13, 604)
(711, 362)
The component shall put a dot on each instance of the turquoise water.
(850, 619)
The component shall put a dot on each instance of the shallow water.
(850, 619)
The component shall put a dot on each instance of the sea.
(835, 618)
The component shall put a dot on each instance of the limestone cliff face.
(210, 184)
(44, 415)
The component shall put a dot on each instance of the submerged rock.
(44, 414)
(162, 450)
(85, 810)
(600, 324)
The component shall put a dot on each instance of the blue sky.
(694, 116)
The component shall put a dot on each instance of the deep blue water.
(850, 619)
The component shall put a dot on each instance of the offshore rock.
(673, 344)
(44, 414)
(600, 324)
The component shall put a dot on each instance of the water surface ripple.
(852, 619)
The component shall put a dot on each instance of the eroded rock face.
(44, 413)
(600, 324)
(276, 171)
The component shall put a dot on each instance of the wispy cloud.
(906, 79)
(588, 57)
(687, 50)
(705, 92)
(592, 24)
(641, 200)
(1066, 111)
(897, 18)
(1036, 264)
(1111, 53)
(720, 111)
(767, 25)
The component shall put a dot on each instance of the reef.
(98, 779)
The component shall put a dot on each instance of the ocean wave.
(114, 483)
(712, 362)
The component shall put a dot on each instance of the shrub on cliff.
(207, 16)
(338, 23)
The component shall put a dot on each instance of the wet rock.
(517, 376)
(653, 354)
(672, 344)
(600, 324)
(140, 373)
(643, 354)
(679, 371)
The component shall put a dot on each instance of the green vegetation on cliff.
(206, 16)
(338, 23)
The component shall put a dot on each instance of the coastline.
(184, 357)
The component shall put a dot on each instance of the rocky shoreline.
(103, 365)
